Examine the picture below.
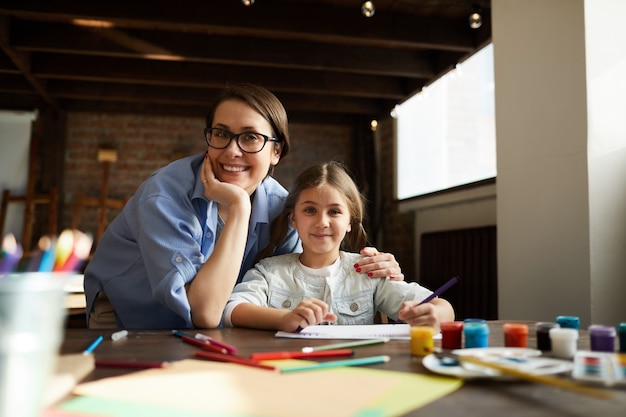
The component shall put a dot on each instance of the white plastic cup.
(32, 319)
(564, 342)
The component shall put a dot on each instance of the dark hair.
(264, 102)
(336, 175)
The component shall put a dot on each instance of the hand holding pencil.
(431, 310)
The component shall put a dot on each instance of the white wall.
(561, 145)
(560, 208)
(606, 104)
(14, 148)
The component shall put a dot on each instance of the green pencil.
(346, 345)
(334, 364)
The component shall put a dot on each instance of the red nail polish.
(356, 265)
(369, 274)
(358, 270)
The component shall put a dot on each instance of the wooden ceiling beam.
(63, 38)
(272, 20)
(212, 76)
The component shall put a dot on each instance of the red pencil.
(130, 364)
(268, 356)
(204, 345)
(233, 359)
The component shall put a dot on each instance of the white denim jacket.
(282, 282)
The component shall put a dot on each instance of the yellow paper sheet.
(215, 387)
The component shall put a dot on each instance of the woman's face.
(231, 164)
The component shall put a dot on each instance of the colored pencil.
(93, 346)
(440, 290)
(231, 349)
(199, 343)
(48, 247)
(64, 247)
(129, 364)
(11, 254)
(344, 345)
(79, 253)
(334, 364)
(232, 359)
(268, 356)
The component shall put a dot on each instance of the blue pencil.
(47, 246)
(334, 364)
(93, 346)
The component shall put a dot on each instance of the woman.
(193, 228)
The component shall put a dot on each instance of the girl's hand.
(431, 314)
(309, 312)
(222, 192)
(418, 315)
(379, 265)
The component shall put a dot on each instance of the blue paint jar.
(622, 339)
(602, 338)
(568, 322)
(476, 334)
(471, 320)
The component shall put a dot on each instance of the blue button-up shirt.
(162, 237)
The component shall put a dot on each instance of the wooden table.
(474, 398)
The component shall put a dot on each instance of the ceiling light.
(247, 2)
(368, 9)
(475, 19)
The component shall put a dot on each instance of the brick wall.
(397, 235)
(145, 142)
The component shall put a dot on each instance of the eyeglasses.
(248, 142)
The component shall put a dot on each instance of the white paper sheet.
(369, 331)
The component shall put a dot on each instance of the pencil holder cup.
(32, 318)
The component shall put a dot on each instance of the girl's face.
(231, 164)
(322, 219)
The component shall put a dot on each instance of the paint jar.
(422, 341)
(515, 334)
(476, 334)
(622, 338)
(471, 320)
(564, 342)
(543, 335)
(452, 335)
(602, 338)
(568, 322)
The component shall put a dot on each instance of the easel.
(31, 200)
(102, 203)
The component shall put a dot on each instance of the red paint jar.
(515, 334)
(451, 335)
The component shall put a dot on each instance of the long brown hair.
(336, 175)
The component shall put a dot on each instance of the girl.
(320, 284)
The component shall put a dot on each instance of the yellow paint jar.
(422, 342)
